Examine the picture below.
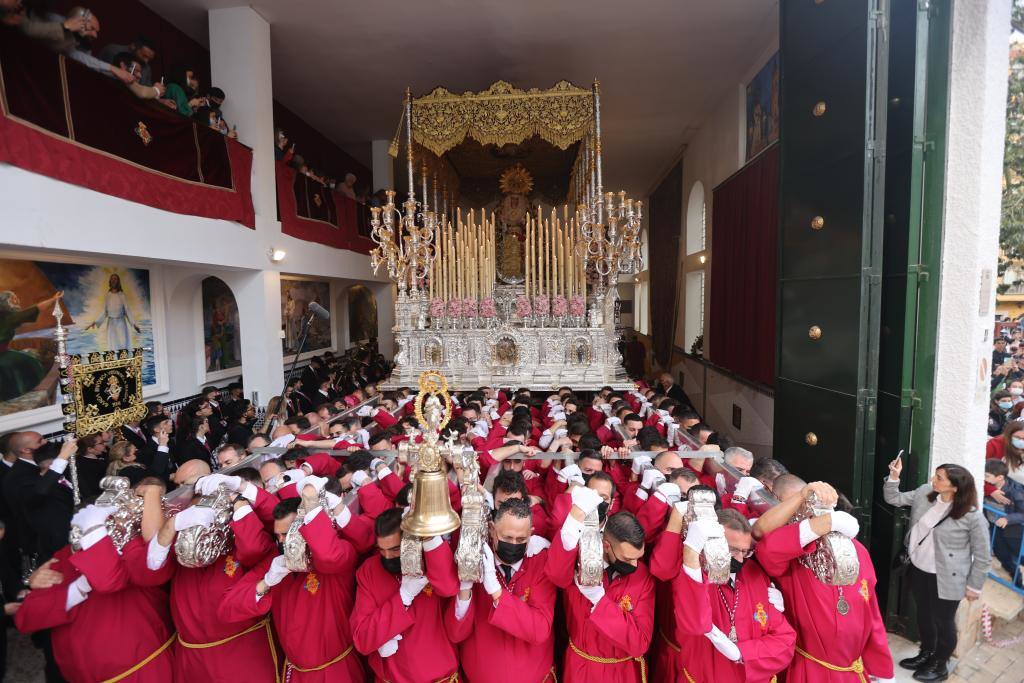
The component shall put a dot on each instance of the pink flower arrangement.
(454, 307)
(577, 305)
(487, 309)
(559, 306)
(469, 307)
(436, 308)
(541, 304)
(523, 306)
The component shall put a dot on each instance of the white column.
(970, 242)
(240, 66)
(258, 294)
(383, 166)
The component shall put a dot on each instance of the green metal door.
(833, 57)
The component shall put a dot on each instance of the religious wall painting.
(362, 314)
(222, 342)
(106, 308)
(763, 108)
(296, 295)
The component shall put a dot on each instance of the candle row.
(464, 259)
(553, 266)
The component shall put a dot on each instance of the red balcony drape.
(744, 263)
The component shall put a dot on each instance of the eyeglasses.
(745, 553)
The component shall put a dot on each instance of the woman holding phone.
(949, 557)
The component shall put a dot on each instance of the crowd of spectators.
(76, 35)
(284, 150)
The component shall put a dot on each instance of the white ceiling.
(663, 64)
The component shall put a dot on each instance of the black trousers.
(1006, 546)
(936, 618)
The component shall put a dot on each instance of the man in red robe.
(310, 609)
(840, 634)
(732, 632)
(503, 624)
(609, 625)
(397, 622)
(94, 606)
(208, 647)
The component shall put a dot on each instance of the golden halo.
(516, 180)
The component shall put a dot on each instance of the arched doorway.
(362, 314)
(222, 340)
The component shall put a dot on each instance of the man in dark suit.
(673, 390)
(312, 375)
(155, 455)
(40, 496)
(132, 433)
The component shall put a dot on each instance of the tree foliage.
(1011, 232)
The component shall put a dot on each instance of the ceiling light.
(702, 258)
(276, 255)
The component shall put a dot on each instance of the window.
(696, 220)
(693, 323)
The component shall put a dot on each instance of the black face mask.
(735, 566)
(586, 477)
(392, 564)
(510, 553)
(622, 568)
(602, 511)
(280, 548)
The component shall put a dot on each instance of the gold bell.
(432, 513)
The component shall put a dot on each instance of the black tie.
(507, 571)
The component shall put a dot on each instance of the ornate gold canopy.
(501, 115)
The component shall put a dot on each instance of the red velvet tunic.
(666, 560)
(310, 609)
(811, 608)
(424, 652)
(511, 642)
(764, 637)
(117, 627)
(619, 628)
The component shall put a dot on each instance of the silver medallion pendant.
(842, 606)
(732, 633)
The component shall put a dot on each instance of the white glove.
(375, 463)
(571, 474)
(536, 544)
(389, 648)
(208, 484)
(194, 516)
(316, 482)
(293, 477)
(465, 585)
(775, 597)
(681, 506)
(411, 587)
(92, 516)
(585, 499)
(364, 411)
(666, 420)
(591, 593)
(723, 644)
(651, 479)
(612, 422)
(490, 572)
(359, 477)
(669, 492)
(640, 462)
(720, 483)
(845, 523)
(560, 432)
(698, 532)
(744, 487)
(278, 570)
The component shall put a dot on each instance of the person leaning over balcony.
(128, 63)
(183, 90)
(73, 35)
(142, 50)
(949, 558)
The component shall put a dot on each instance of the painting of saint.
(362, 314)
(296, 295)
(221, 339)
(106, 308)
(763, 108)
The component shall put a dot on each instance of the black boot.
(916, 662)
(936, 672)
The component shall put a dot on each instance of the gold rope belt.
(156, 653)
(612, 660)
(263, 624)
(454, 678)
(290, 665)
(550, 675)
(857, 667)
(669, 641)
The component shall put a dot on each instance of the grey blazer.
(962, 555)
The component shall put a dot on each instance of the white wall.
(977, 105)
